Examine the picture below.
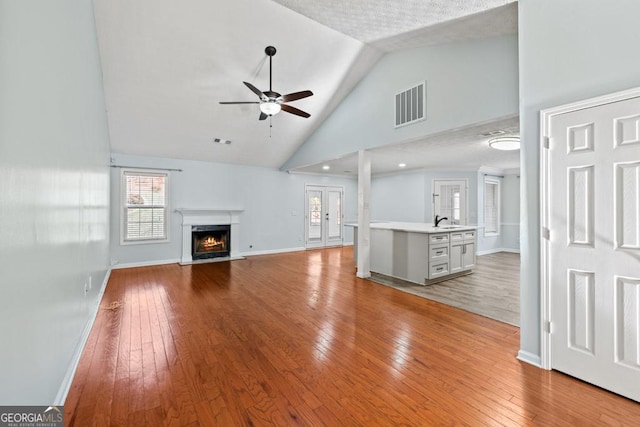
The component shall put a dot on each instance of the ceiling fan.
(272, 102)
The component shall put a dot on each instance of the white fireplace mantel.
(207, 216)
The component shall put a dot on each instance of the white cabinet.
(463, 251)
(438, 255)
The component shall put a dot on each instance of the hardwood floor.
(493, 290)
(297, 339)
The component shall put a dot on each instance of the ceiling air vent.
(410, 105)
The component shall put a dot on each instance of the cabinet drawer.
(439, 252)
(457, 236)
(469, 235)
(439, 238)
(438, 269)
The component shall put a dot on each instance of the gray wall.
(569, 50)
(268, 196)
(467, 83)
(54, 192)
(407, 197)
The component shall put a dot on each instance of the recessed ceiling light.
(402, 165)
(505, 143)
(326, 167)
(222, 141)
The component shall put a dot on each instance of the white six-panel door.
(591, 209)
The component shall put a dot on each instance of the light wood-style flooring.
(297, 339)
(493, 290)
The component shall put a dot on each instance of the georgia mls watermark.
(31, 416)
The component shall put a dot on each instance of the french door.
(591, 211)
(323, 216)
(450, 200)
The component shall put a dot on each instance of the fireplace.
(198, 220)
(210, 241)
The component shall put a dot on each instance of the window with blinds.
(491, 207)
(145, 207)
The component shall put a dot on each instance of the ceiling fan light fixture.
(270, 108)
(506, 143)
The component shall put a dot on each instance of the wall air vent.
(411, 105)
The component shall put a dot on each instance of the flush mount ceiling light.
(402, 165)
(326, 167)
(505, 143)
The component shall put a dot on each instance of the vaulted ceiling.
(167, 64)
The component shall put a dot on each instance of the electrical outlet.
(86, 288)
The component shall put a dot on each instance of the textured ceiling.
(462, 149)
(167, 64)
(372, 21)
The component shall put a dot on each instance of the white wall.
(467, 83)
(269, 198)
(569, 50)
(408, 196)
(54, 192)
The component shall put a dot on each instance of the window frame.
(124, 207)
(497, 206)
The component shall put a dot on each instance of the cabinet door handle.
(439, 268)
(439, 253)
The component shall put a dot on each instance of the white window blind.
(491, 207)
(145, 206)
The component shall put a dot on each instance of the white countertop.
(415, 227)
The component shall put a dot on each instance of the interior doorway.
(324, 216)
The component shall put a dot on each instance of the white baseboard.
(274, 251)
(530, 358)
(63, 391)
(495, 251)
(145, 263)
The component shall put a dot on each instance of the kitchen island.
(419, 252)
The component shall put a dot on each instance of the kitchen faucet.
(437, 221)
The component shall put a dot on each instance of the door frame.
(466, 195)
(546, 117)
(306, 220)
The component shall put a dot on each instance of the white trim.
(530, 358)
(145, 263)
(274, 251)
(546, 116)
(496, 250)
(65, 386)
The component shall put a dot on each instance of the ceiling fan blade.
(263, 116)
(240, 102)
(296, 95)
(294, 110)
(255, 90)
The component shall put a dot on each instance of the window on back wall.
(491, 207)
(145, 208)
